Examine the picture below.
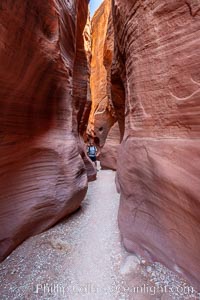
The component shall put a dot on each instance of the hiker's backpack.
(92, 150)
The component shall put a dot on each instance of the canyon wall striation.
(44, 99)
(157, 66)
(109, 152)
(102, 115)
(103, 124)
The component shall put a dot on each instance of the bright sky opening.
(94, 4)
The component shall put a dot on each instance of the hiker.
(92, 151)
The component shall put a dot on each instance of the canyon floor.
(82, 258)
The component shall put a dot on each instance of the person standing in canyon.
(92, 152)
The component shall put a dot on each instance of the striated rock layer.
(103, 124)
(102, 115)
(109, 152)
(158, 164)
(42, 174)
(81, 72)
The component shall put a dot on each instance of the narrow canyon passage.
(127, 82)
(83, 258)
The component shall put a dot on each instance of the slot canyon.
(128, 80)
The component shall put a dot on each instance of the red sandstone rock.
(81, 84)
(102, 115)
(158, 165)
(109, 152)
(90, 168)
(81, 71)
(42, 175)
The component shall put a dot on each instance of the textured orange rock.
(81, 72)
(81, 85)
(158, 165)
(42, 175)
(102, 115)
(87, 106)
(109, 152)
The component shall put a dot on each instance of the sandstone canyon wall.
(109, 153)
(42, 174)
(81, 85)
(158, 164)
(102, 115)
(103, 122)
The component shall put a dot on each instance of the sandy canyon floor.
(82, 258)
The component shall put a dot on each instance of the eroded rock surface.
(81, 72)
(158, 164)
(109, 152)
(82, 258)
(42, 174)
(102, 115)
(104, 118)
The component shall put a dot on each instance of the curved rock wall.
(81, 71)
(158, 164)
(103, 124)
(109, 152)
(102, 115)
(42, 174)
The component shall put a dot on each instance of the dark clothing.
(93, 158)
(92, 150)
